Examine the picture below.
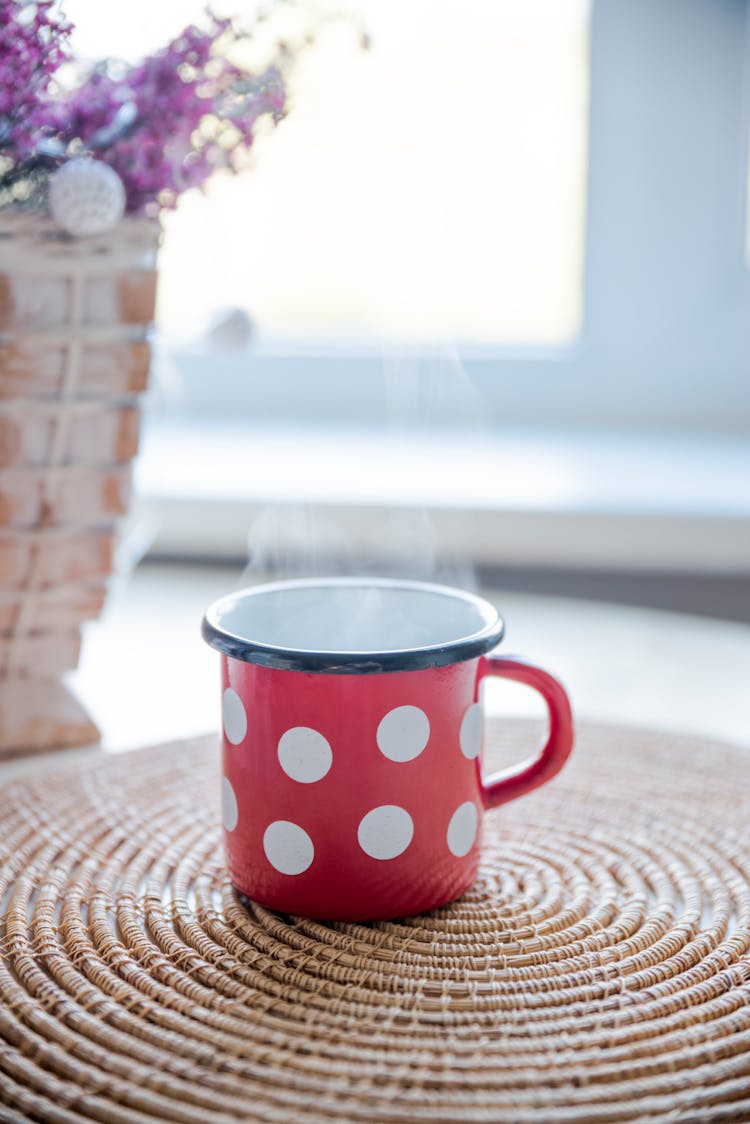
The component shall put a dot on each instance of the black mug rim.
(323, 661)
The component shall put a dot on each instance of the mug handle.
(518, 779)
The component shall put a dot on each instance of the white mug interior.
(353, 615)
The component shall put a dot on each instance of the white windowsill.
(620, 501)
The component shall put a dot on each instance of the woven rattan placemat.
(598, 971)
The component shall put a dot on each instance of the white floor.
(146, 675)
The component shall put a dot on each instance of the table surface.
(146, 675)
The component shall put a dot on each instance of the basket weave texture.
(599, 970)
(74, 356)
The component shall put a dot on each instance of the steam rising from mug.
(424, 395)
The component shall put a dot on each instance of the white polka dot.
(471, 731)
(385, 832)
(304, 754)
(234, 717)
(462, 830)
(289, 848)
(229, 810)
(403, 733)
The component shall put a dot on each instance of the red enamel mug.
(352, 739)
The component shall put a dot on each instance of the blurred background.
(477, 311)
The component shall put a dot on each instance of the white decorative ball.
(86, 196)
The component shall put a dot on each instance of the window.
(431, 187)
(578, 232)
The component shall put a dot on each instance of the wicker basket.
(598, 971)
(74, 356)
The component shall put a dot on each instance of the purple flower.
(33, 44)
(165, 124)
(187, 110)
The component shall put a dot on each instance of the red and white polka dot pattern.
(357, 796)
(335, 786)
(306, 756)
(352, 784)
